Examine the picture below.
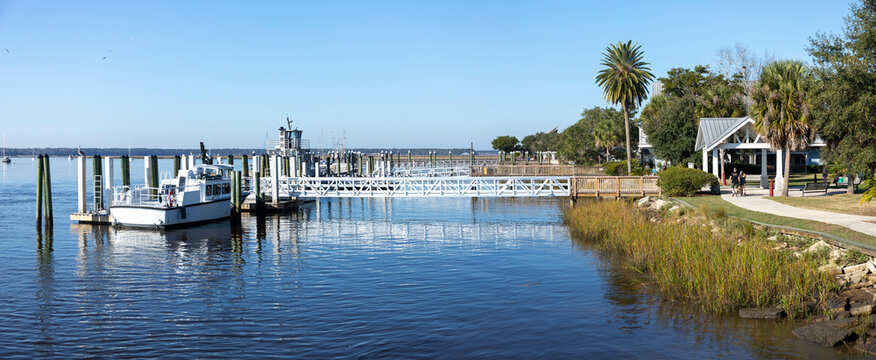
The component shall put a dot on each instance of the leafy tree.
(578, 141)
(608, 134)
(624, 81)
(781, 111)
(671, 125)
(670, 119)
(506, 143)
(844, 93)
(681, 82)
(542, 141)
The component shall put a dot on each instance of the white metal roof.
(713, 131)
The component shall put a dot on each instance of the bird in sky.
(7, 50)
(103, 58)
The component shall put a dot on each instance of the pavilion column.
(764, 182)
(780, 173)
(715, 165)
(705, 160)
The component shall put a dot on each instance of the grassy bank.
(841, 203)
(715, 203)
(721, 270)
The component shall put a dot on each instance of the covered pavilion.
(715, 134)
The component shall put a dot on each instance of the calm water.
(372, 278)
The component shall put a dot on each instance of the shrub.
(682, 181)
(619, 168)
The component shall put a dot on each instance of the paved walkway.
(758, 200)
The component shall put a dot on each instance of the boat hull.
(150, 217)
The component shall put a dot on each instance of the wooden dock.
(613, 186)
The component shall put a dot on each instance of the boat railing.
(144, 196)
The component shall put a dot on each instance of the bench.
(815, 186)
(842, 181)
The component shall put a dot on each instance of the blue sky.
(381, 73)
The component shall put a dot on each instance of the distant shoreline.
(63, 152)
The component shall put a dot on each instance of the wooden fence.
(613, 186)
(535, 170)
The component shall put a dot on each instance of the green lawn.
(715, 202)
(841, 203)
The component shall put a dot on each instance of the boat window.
(226, 188)
(209, 190)
(216, 189)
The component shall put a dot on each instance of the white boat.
(5, 159)
(197, 195)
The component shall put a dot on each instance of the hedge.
(682, 181)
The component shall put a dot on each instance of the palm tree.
(780, 110)
(624, 81)
(607, 136)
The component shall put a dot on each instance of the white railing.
(456, 186)
(143, 196)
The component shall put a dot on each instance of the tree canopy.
(579, 140)
(671, 119)
(844, 91)
(506, 143)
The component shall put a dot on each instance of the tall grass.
(691, 263)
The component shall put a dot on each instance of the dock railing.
(535, 170)
(614, 186)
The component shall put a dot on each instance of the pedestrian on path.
(741, 190)
(734, 182)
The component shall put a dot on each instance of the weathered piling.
(245, 165)
(231, 160)
(153, 179)
(97, 182)
(257, 189)
(410, 159)
(450, 155)
(47, 192)
(176, 160)
(236, 180)
(39, 193)
(126, 170)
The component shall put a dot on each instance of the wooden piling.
(39, 194)
(126, 170)
(153, 181)
(257, 189)
(231, 160)
(47, 192)
(245, 162)
(236, 180)
(176, 160)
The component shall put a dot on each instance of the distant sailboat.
(6, 159)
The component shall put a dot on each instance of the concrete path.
(758, 200)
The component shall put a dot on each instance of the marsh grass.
(717, 270)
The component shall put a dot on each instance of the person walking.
(734, 182)
(741, 190)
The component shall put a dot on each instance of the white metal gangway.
(448, 186)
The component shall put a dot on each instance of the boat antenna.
(288, 122)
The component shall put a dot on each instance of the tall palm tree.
(607, 135)
(624, 81)
(780, 110)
